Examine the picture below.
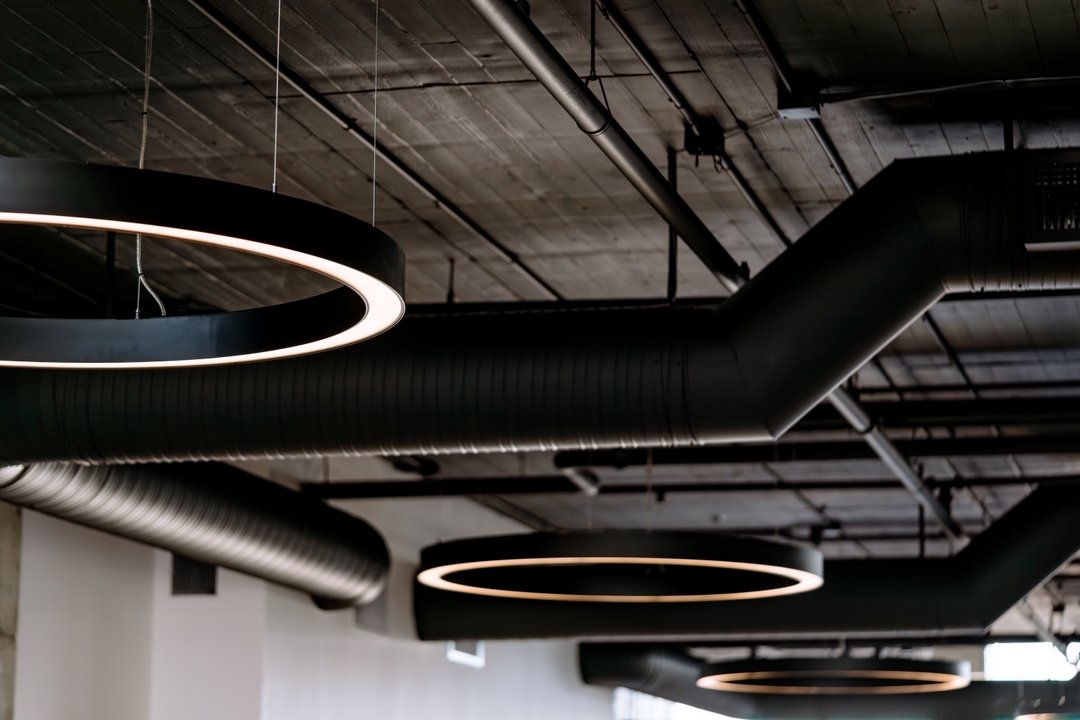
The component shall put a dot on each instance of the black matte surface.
(964, 593)
(672, 674)
(621, 579)
(591, 379)
(165, 199)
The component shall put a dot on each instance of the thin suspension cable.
(375, 118)
(592, 55)
(148, 58)
(277, 96)
(592, 40)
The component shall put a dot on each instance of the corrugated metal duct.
(219, 515)
(591, 379)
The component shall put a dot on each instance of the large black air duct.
(592, 379)
(672, 674)
(963, 593)
(219, 515)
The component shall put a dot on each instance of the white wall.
(101, 638)
(320, 667)
(84, 632)
(10, 543)
(207, 655)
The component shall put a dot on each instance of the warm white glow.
(743, 682)
(384, 306)
(436, 578)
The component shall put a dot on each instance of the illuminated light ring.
(1038, 709)
(836, 676)
(572, 559)
(365, 261)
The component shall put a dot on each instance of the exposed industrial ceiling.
(893, 80)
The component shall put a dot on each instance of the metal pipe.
(555, 74)
(844, 94)
(679, 100)
(346, 123)
(856, 416)
(651, 63)
(810, 451)
(459, 308)
(817, 127)
(562, 484)
(552, 70)
(772, 49)
(786, 76)
(896, 641)
(216, 514)
(673, 235)
(1042, 630)
(753, 199)
(585, 481)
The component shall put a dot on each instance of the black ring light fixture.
(836, 676)
(365, 261)
(1064, 709)
(621, 566)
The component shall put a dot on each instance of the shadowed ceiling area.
(527, 247)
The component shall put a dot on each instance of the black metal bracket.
(797, 104)
(708, 140)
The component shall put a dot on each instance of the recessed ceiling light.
(835, 676)
(197, 210)
(621, 566)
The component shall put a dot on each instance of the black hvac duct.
(671, 674)
(219, 515)
(963, 593)
(745, 371)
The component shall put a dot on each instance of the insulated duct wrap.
(746, 370)
(219, 515)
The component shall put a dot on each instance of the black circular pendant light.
(836, 676)
(366, 262)
(1063, 709)
(626, 566)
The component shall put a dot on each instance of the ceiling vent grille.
(1053, 201)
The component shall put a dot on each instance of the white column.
(10, 542)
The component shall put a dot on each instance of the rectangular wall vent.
(1053, 201)
(193, 577)
(467, 652)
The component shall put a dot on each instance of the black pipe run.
(961, 594)
(830, 451)
(906, 642)
(595, 120)
(747, 370)
(219, 515)
(671, 674)
(560, 484)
